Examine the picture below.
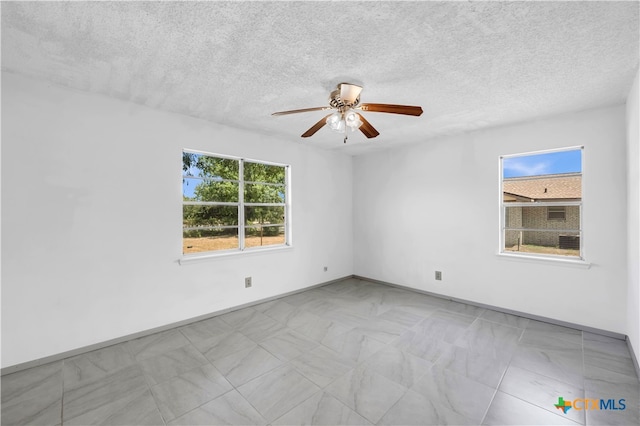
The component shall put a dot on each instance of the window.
(233, 204)
(541, 204)
(556, 213)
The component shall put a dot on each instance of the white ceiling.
(470, 65)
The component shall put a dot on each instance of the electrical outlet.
(439, 275)
(326, 268)
(247, 282)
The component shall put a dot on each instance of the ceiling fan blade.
(393, 109)
(366, 128)
(349, 92)
(315, 127)
(295, 111)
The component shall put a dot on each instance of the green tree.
(217, 180)
(264, 184)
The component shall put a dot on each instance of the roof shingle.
(566, 186)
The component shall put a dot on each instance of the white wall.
(434, 206)
(633, 219)
(91, 220)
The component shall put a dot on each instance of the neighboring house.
(563, 222)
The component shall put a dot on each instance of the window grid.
(556, 215)
(242, 225)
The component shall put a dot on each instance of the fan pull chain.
(345, 139)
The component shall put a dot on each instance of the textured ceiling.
(470, 65)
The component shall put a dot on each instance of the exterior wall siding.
(513, 220)
(536, 218)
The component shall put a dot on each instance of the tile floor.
(352, 353)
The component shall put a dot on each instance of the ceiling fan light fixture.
(333, 119)
(352, 120)
(336, 122)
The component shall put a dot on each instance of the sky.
(188, 186)
(543, 164)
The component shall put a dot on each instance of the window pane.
(256, 172)
(261, 193)
(543, 242)
(556, 213)
(551, 177)
(549, 163)
(264, 215)
(207, 216)
(205, 166)
(198, 189)
(256, 236)
(537, 218)
(207, 239)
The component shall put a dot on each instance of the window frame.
(557, 210)
(241, 206)
(502, 209)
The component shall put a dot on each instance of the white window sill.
(226, 254)
(532, 258)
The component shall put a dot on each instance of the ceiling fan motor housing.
(345, 96)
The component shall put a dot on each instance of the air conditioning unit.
(569, 242)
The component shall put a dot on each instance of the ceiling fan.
(345, 100)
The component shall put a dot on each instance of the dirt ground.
(524, 248)
(197, 245)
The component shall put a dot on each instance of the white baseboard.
(504, 310)
(111, 342)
